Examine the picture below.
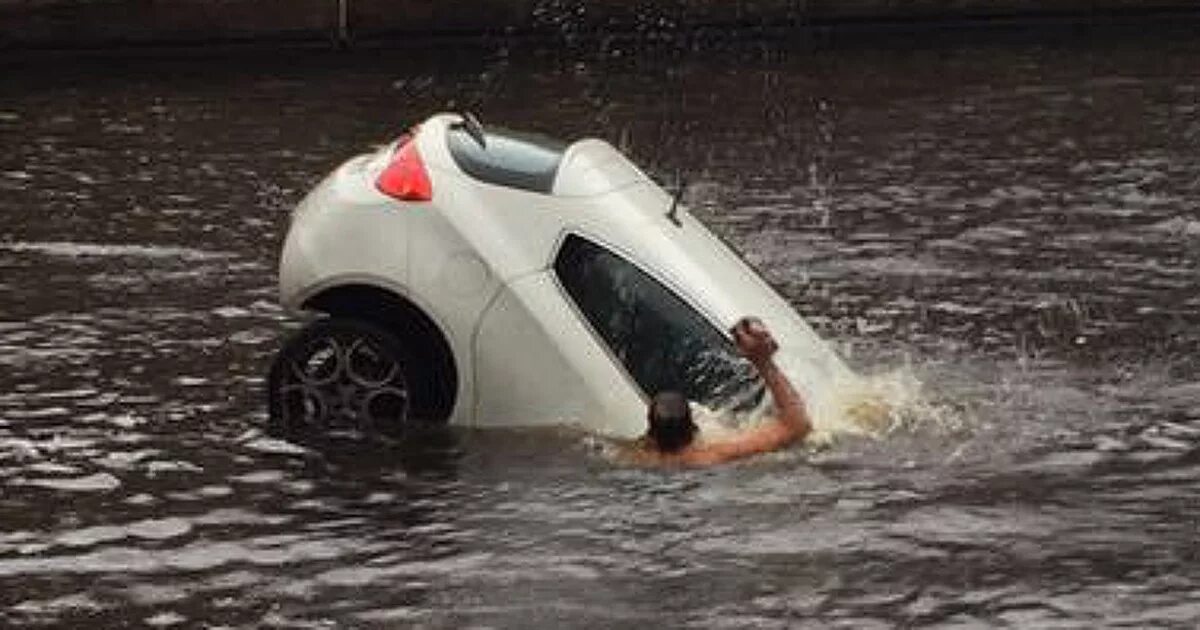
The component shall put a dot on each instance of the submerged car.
(486, 277)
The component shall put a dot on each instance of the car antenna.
(673, 213)
(474, 129)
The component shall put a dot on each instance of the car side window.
(661, 340)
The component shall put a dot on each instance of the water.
(1012, 223)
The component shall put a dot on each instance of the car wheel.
(341, 378)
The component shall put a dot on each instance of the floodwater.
(1012, 222)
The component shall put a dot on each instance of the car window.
(660, 339)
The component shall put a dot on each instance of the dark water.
(1015, 222)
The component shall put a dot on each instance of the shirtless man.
(671, 439)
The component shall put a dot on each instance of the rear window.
(661, 341)
(512, 159)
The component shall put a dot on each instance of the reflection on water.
(1012, 225)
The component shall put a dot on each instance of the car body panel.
(592, 167)
(538, 363)
(339, 230)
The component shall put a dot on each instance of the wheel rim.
(344, 382)
(367, 366)
(318, 363)
(386, 406)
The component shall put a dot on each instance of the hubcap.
(344, 384)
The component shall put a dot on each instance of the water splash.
(878, 405)
(872, 406)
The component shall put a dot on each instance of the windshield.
(662, 342)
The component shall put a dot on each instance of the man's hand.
(753, 340)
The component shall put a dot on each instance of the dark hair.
(671, 426)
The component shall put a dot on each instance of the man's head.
(670, 419)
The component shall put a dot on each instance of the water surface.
(1012, 223)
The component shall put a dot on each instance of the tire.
(343, 378)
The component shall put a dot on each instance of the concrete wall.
(107, 22)
(104, 22)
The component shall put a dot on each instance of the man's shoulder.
(637, 453)
(766, 436)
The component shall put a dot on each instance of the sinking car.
(486, 277)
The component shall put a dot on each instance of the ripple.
(1179, 226)
(73, 603)
(165, 620)
(160, 529)
(101, 250)
(98, 482)
(275, 446)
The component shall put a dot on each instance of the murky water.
(1014, 222)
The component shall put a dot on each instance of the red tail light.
(406, 178)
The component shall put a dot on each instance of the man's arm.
(789, 406)
(790, 423)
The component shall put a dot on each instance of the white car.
(495, 278)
